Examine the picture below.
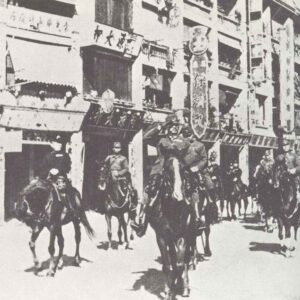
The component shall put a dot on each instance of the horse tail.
(82, 216)
(88, 228)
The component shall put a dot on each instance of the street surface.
(246, 264)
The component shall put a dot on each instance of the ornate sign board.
(233, 139)
(263, 141)
(127, 44)
(199, 64)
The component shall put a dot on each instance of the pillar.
(135, 155)
(77, 158)
(244, 163)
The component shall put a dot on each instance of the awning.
(235, 139)
(46, 63)
(264, 141)
(229, 41)
(46, 120)
(211, 135)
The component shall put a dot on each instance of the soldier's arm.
(68, 164)
(150, 136)
(166, 146)
(125, 167)
(202, 157)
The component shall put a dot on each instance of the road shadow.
(273, 248)
(152, 281)
(104, 245)
(252, 219)
(256, 227)
(69, 261)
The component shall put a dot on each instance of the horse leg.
(77, 240)
(51, 249)
(194, 253)
(288, 239)
(34, 235)
(239, 203)
(280, 233)
(120, 230)
(207, 251)
(60, 241)
(246, 203)
(186, 289)
(166, 262)
(232, 206)
(124, 226)
(109, 233)
(222, 208)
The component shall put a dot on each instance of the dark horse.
(173, 222)
(197, 196)
(237, 191)
(286, 206)
(263, 189)
(118, 200)
(41, 205)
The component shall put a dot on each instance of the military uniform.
(59, 160)
(118, 163)
(196, 160)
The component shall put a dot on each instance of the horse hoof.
(120, 243)
(193, 267)
(50, 274)
(207, 253)
(127, 246)
(38, 266)
(60, 265)
(77, 261)
(292, 248)
(186, 292)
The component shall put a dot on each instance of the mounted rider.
(215, 172)
(119, 168)
(195, 160)
(167, 142)
(55, 169)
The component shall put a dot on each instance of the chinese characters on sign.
(128, 44)
(199, 99)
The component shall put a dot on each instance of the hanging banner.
(198, 69)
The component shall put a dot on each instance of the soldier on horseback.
(55, 168)
(119, 169)
(195, 161)
(167, 142)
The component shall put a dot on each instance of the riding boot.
(212, 206)
(139, 225)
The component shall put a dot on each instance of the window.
(261, 110)
(157, 87)
(102, 72)
(116, 13)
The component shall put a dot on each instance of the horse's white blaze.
(177, 193)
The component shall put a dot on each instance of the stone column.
(135, 156)
(77, 158)
(244, 163)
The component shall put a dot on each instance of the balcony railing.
(33, 20)
(229, 24)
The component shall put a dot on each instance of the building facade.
(103, 72)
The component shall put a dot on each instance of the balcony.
(32, 20)
(198, 9)
(229, 25)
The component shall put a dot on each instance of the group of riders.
(173, 139)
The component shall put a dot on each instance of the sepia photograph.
(149, 149)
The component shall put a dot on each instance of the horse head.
(173, 168)
(103, 176)
(31, 203)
